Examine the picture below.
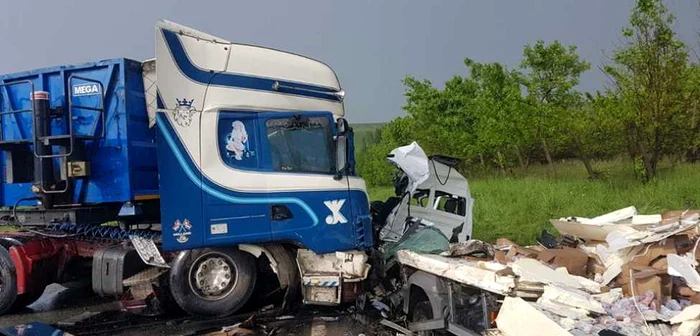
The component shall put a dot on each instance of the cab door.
(312, 206)
(235, 200)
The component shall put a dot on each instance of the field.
(519, 206)
(363, 134)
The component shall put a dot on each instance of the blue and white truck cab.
(212, 156)
(247, 142)
(253, 149)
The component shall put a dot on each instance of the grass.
(519, 206)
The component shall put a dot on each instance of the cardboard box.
(649, 279)
(574, 260)
(643, 285)
(686, 291)
(517, 250)
(501, 257)
(654, 251)
(505, 242)
(683, 244)
(660, 264)
(594, 266)
(638, 271)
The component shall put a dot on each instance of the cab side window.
(421, 198)
(449, 203)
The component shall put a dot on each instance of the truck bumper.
(331, 278)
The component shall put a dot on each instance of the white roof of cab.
(305, 84)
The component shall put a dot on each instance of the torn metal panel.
(470, 273)
(519, 318)
(413, 162)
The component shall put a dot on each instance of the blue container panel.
(123, 161)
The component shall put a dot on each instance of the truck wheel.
(287, 273)
(216, 281)
(8, 281)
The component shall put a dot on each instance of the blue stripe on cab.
(209, 77)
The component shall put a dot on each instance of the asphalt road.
(61, 303)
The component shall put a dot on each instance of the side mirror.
(342, 126)
(341, 156)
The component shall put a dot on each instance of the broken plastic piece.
(547, 240)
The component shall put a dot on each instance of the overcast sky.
(371, 44)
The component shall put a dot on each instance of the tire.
(8, 282)
(287, 273)
(199, 284)
(423, 311)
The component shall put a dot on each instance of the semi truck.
(197, 178)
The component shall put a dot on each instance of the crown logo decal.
(184, 102)
(182, 114)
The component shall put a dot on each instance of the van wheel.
(212, 281)
(8, 281)
(423, 311)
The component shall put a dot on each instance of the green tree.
(651, 76)
(501, 116)
(443, 119)
(551, 74)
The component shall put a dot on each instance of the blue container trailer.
(97, 141)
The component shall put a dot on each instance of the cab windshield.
(301, 144)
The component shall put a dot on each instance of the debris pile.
(617, 274)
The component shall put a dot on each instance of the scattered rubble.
(620, 273)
